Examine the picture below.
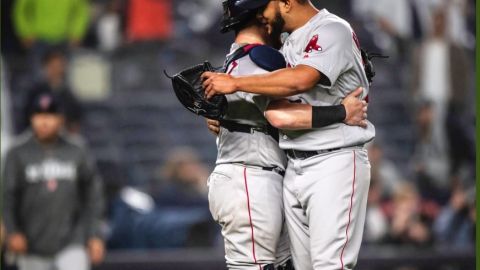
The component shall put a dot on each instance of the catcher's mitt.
(188, 88)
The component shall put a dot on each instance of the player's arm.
(91, 186)
(281, 83)
(328, 57)
(293, 116)
(16, 240)
(285, 115)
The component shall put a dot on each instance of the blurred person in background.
(376, 221)
(383, 171)
(110, 25)
(54, 69)
(385, 181)
(455, 225)
(197, 17)
(457, 12)
(149, 20)
(184, 180)
(430, 161)
(410, 217)
(440, 73)
(53, 196)
(41, 24)
(397, 31)
(441, 76)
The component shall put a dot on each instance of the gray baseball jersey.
(258, 149)
(244, 198)
(325, 195)
(328, 44)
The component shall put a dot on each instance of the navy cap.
(237, 12)
(46, 103)
(251, 4)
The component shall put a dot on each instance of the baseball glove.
(368, 65)
(188, 88)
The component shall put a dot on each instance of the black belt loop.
(275, 170)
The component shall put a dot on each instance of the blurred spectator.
(458, 33)
(109, 26)
(446, 82)
(54, 68)
(430, 160)
(455, 226)
(51, 22)
(41, 24)
(177, 215)
(441, 78)
(461, 138)
(149, 20)
(384, 172)
(197, 17)
(410, 217)
(376, 222)
(394, 31)
(53, 196)
(184, 180)
(440, 67)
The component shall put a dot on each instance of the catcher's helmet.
(236, 12)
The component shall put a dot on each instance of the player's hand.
(96, 250)
(356, 109)
(17, 243)
(213, 126)
(218, 83)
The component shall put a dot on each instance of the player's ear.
(286, 5)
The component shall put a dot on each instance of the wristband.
(323, 116)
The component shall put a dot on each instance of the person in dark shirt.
(54, 68)
(53, 202)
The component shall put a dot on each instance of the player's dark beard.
(276, 30)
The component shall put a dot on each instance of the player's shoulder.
(267, 58)
(74, 142)
(21, 142)
(77, 146)
(332, 24)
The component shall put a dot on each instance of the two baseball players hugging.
(296, 197)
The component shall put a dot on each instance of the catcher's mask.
(238, 12)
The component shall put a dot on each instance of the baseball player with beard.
(245, 189)
(328, 172)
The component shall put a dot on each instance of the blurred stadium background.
(155, 157)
